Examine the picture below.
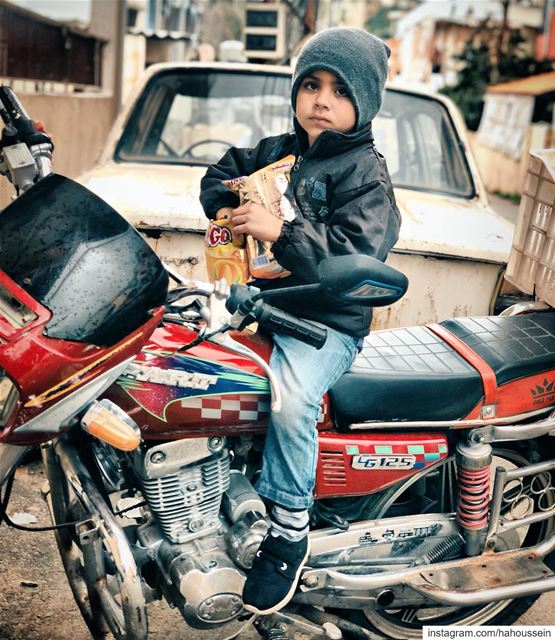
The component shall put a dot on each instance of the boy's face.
(323, 103)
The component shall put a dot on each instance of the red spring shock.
(473, 497)
(473, 469)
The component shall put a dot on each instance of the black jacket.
(344, 203)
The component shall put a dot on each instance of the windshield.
(192, 116)
(80, 259)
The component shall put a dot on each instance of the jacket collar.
(331, 143)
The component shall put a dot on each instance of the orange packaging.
(267, 187)
(226, 256)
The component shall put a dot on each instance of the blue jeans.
(291, 450)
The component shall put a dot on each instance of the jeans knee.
(295, 411)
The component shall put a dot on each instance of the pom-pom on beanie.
(356, 57)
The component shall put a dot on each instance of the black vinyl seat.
(412, 374)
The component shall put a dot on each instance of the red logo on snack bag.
(219, 235)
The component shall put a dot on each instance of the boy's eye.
(342, 92)
(310, 85)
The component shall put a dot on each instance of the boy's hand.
(257, 221)
(224, 212)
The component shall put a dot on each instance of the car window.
(421, 146)
(192, 116)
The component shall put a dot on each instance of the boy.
(341, 192)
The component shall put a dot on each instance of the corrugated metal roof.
(531, 86)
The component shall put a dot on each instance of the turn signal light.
(107, 422)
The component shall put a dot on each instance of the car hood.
(151, 196)
(167, 197)
(439, 224)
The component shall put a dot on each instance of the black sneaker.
(275, 573)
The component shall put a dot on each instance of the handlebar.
(19, 128)
(282, 322)
(245, 304)
(25, 148)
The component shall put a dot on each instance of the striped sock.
(291, 525)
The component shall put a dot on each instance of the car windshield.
(192, 116)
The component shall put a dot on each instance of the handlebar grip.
(282, 322)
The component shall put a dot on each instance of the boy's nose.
(322, 100)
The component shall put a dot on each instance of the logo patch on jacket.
(319, 190)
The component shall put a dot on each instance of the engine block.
(183, 483)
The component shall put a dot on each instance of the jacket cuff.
(212, 206)
(279, 245)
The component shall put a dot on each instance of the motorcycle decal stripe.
(430, 457)
(415, 448)
(421, 449)
(155, 397)
(383, 448)
(77, 379)
(233, 408)
(421, 454)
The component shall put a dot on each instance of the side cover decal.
(162, 377)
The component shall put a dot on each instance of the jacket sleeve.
(235, 163)
(362, 221)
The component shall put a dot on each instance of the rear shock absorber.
(473, 471)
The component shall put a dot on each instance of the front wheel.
(109, 595)
(434, 491)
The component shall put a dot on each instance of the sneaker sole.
(288, 596)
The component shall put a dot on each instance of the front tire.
(109, 605)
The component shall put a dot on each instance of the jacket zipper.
(297, 164)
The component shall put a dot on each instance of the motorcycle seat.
(413, 374)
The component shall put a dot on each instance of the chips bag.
(267, 187)
(226, 255)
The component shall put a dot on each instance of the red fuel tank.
(205, 390)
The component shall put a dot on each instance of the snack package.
(226, 255)
(267, 187)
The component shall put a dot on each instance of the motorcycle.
(435, 492)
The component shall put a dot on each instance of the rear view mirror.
(362, 279)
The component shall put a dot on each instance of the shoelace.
(273, 558)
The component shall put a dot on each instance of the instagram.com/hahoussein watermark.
(470, 632)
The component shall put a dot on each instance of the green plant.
(478, 71)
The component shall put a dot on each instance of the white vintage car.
(183, 117)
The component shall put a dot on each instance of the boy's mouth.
(320, 119)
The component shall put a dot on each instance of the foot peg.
(269, 629)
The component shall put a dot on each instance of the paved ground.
(35, 600)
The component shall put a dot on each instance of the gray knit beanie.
(356, 57)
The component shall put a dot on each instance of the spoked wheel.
(434, 491)
(109, 602)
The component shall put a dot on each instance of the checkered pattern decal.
(235, 408)
(230, 408)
